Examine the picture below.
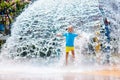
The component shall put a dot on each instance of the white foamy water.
(33, 43)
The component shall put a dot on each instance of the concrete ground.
(109, 73)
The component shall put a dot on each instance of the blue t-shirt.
(70, 39)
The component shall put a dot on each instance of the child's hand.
(79, 36)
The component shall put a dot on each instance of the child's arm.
(59, 35)
(79, 36)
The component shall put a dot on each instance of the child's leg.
(73, 54)
(67, 58)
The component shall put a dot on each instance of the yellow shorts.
(69, 48)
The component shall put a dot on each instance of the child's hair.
(70, 26)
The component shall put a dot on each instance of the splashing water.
(34, 38)
(34, 32)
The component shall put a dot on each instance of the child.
(70, 36)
